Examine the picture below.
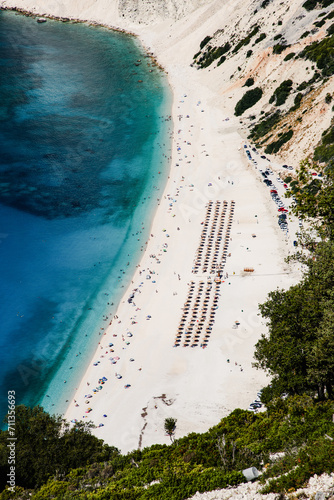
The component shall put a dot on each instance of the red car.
(282, 209)
(273, 191)
(285, 185)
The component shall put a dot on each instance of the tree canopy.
(47, 446)
(170, 426)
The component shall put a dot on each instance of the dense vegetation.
(264, 126)
(280, 47)
(201, 462)
(275, 146)
(300, 350)
(312, 4)
(248, 100)
(249, 82)
(322, 53)
(212, 53)
(314, 195)
(47, 444)
(281, 94)
(325, 152)
(209, 53)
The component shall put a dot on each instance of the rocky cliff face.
(142, 12)
(152, 11)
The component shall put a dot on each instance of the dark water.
(83, 159)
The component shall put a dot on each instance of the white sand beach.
(196, 385)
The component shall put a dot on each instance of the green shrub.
(310, 460)
(246, 40)
(305, 34)
(305, 85)
(318, 24)
(280, 95)
(326, 3)
(310, 4)
(265, 3)
(322, 53)
(249, 82)
(289, 56)
(248, 100)
(265, 126)
(260, 38)
(249, 53)
(205, 41)
(275, 146)
(330, 30)
(221, 60)
(328, 98)
(279, 48)
(325, 152)
(212, 54)
(297, 101)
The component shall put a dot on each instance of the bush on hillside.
(265, 3)
(305, 34)
(213, 53)
(281, 93)
(205, 41)
(322, 53)
(249, 82)
(221, 60)
(325, 152)
(289, 56)
(246, 40)
(260, 38)
(275, 146)
(47, 446)
(279, 48)
(265, 126)
(320, 23)
(248, 100)
(297, 101)
(312, 4)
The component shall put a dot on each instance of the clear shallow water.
(84, 155)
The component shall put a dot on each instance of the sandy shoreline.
(194, 385)
(197, 386)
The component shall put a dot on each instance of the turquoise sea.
(84, 156)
